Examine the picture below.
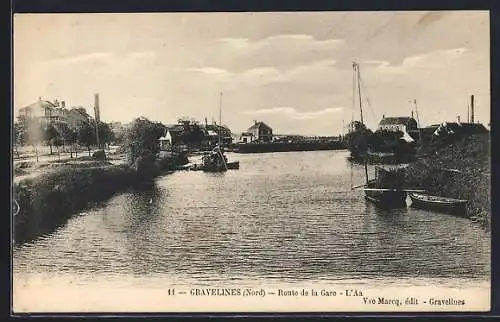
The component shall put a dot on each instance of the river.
(281, 218)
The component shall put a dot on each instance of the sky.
(291, 70)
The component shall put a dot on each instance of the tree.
(192, 133)
(141, 138)
(67, 135)
(85, 135)
(358, 138)
(106, 135)
(50, 135)
(19, 136)
(33, 133)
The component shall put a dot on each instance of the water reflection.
(300, 221)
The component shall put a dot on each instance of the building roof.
(175, 128)
(468, 128)
(396, 120)
(258, 125)
(40, 104)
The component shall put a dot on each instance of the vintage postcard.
(252, 162)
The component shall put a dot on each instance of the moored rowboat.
(437, 203)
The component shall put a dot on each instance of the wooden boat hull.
(387, 199)
(439, 204)
(230, 166)
(233, 165)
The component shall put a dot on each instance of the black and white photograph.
(333, 161)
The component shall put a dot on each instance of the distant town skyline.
(291, 70)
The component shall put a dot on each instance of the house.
(246, 137)
(175, 132)
(405, 124)
(42, 109)
(165, 141)
(77, 116)
(50, 112)
(261, 132)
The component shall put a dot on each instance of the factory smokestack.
(472, 108)
(97, 119)
(96, 108)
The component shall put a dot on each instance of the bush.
(172, 161)
(146, 166)
(459, 170)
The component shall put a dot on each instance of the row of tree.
(33, 132)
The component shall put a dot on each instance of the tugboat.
(216, 161)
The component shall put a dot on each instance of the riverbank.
(287, 146)
(48, 199)
(460, 170)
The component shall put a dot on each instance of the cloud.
(266, 75)
(215, 72)
(236, 43)
(261, 75)
(294, 114)
(308, 41)
(437, 59)
(280, 51)
(99, 56)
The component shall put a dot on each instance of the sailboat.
(385, 189)
(215, 160)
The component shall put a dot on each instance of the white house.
(165, 141)
(246, 137)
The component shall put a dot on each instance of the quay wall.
(287, 147)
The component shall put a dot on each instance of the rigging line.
(353, 95)
(367, 98)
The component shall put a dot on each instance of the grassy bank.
(48, 200)
(457, 170)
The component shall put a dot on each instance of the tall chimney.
(411, 114)
(458, 118)
(96, 108)
(472, 108)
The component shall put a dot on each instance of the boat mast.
(220, 116)
(358, 76)
(356, 68)
(418, 121)
(220, 132)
